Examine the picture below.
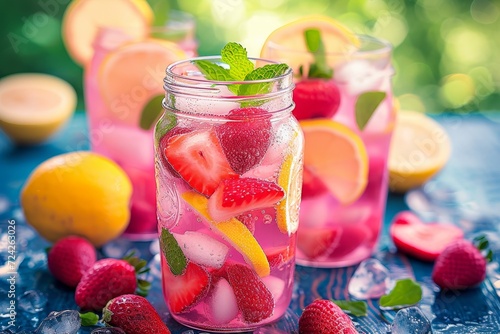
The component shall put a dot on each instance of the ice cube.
(154, 247)
(370, 280)
(4, 305)
(359, 76)
(411, 320)
(224, 306)
(202, 249)
(274, 285)
(155, 266)
(32, 301)
(4, 204)
(108, 330)
(67, 322)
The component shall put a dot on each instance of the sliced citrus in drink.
(288, 42)
(337, 156)
(33, 106)
(132, 75)
(290, 179)
(83, 18)
(234, 231)
(420, 148)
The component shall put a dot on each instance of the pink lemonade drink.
(123, 94)
(344, 105)
(228, 173)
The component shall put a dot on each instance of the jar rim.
(197, 80)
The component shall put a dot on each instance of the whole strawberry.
(461, 265)
(315, 98)
(134, 314)
(109, 278)
(69, 258)
(325, 317)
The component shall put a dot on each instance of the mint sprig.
(319, 69)
(405, 293)
(240, 69)
(356, 308)
(151, 112)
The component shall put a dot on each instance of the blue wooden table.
(466, 192)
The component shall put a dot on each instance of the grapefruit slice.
(235, 232)
(290, 179)
(420, 148)
(83, 18)
(33, 106)
(337, 156)
(132, 75)
(287, 43)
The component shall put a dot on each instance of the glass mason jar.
(228, 177)
(123, 90)
(348, 121)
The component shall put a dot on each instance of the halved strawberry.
(315, 98)
(424, 241)
(198, 158)
(163, 145)
(235, 196)
(185, 290)
(314, 242)
(278, 256)
(311, 185)
(245, 138)
(254, 299)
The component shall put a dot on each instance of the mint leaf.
(236, 57)
(176, 259)
(160, 9)
(353, 307)
(314, 43)
(165, 124)
(89, 319)
(262, 73)
(151, 112)
(366, 105)
(406, 292)
(213, 71)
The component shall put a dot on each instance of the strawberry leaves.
(482, 243)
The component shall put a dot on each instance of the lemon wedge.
(235, 232)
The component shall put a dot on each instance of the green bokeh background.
(446, 52)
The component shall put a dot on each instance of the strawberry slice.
(314, 242)
(235, 196)
(163, 145)
(424, 241)
(280, 255)
(311, 185)
(315, 98)
(198, 158)
(254, 299)
(245, 138)
(185, 290)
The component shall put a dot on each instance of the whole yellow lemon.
(78, 193)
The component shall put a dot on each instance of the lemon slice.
(337, 156)
(290, 179)
(235, 232)
(83, 18)
(130, 76)
(420, 148)
(33, 106)
(287, 43)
